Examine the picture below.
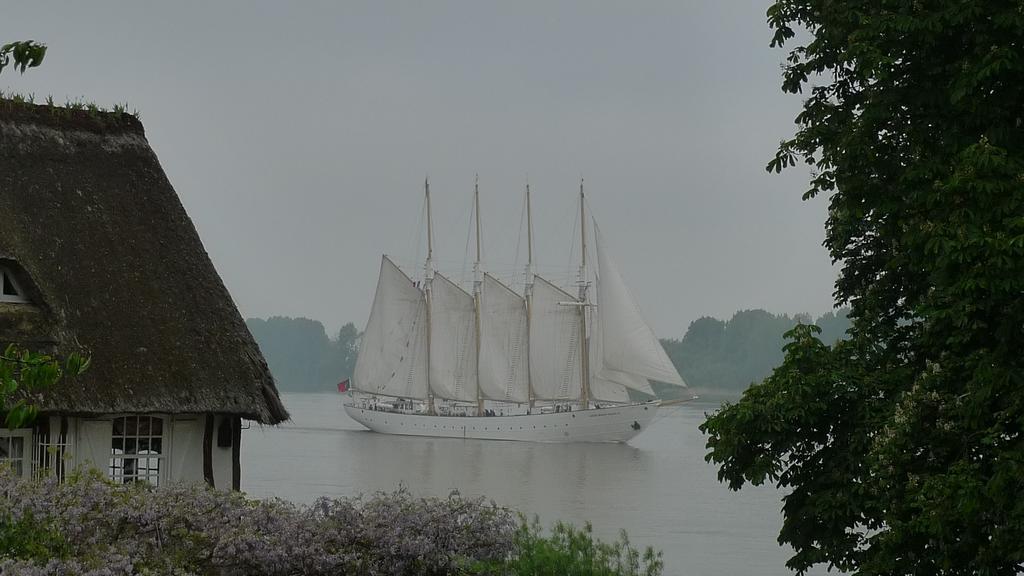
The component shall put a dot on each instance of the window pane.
(154, 471)
(8, 285)
(135, 436)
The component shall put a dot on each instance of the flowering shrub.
(91, 527)
(88, 526)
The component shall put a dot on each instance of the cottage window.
(9, 290)
(137, 449)
(15, 451)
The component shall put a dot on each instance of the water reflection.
(539, 473)
(658, 486)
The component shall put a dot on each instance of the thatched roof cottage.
(98, 255)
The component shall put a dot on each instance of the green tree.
(26, 54)
(343, 352)
(24, 374)
(729, 356)
(902, 448)
(301, 356)
(295, 349)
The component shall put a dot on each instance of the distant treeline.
(301, 356)
(713, 355)
(730, 355)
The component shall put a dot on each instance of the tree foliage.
(728, 355)
(24, 374)
(301, 356)
(902, 447)
(26, 54)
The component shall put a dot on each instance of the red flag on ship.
(343, 385)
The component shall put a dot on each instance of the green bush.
(26, 538)
(572, 551)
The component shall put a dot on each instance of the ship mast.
(477, 290)
(584, 348)
(528, 289)
(428, 277)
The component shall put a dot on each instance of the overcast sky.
(298, 136)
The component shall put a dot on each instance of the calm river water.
(657, 486)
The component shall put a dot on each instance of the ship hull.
(609, 424)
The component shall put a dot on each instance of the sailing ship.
(542, 366)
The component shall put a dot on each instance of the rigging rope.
(469, 235)
(519, 241)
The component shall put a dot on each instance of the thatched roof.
(112, 264)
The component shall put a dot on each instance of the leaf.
(26, 54)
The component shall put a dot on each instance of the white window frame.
(19, 298)
(115, 466)
(26, 449)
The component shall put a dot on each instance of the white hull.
(609, 424)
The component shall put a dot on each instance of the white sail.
(504, 355)
(452, 341)
(621, 379)
(603, 390)
(393, 352)
(629, 344)
(605, 384)
(609, 385)
(554, 343)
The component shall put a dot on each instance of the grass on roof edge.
(74, 112)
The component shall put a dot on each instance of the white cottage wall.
(89, 444)
(222, 462)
